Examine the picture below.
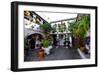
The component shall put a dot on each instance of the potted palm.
(79, 30)
(83, 27)
(46, 46)
(45, 49)
(41, 54)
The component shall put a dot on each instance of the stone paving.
(60, 53)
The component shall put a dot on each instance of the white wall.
(5, 17)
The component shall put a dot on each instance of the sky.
(53, 16)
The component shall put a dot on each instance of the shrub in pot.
(46, 46)
(79, 29)
(43, 50)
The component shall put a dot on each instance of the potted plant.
(83, 27)
(41, 54)
(79, 30)
(46, 46)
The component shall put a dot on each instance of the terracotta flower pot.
(82, 49)
(41, 55)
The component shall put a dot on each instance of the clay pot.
(82, 49)
(41, 54)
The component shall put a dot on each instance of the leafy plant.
(46, 27)
(54, 28)
(65, 40)
(45, 43)
(79, 28)
(84, 26)
(60, 28)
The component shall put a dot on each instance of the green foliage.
(46, 43)
(54, 28)
(65, 40)
(46, 27)
(84, 25)
(60, 28)
(72, 27)
(80, 27)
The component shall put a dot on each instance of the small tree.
(80, 28)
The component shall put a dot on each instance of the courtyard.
(47, 37)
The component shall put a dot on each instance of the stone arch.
(29, 32)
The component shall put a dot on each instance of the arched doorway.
(34, 39)
(35, 35)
